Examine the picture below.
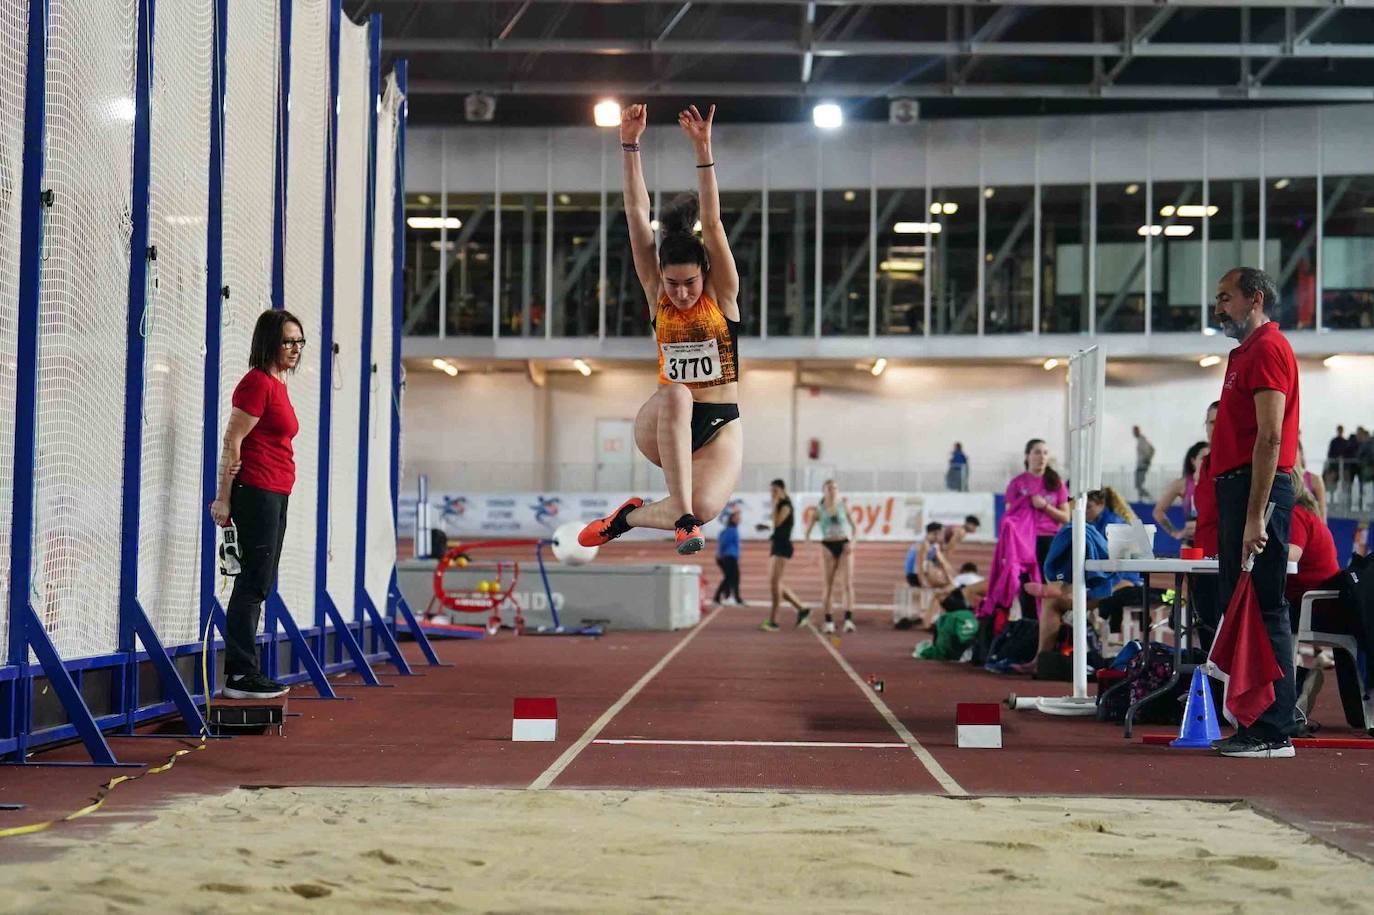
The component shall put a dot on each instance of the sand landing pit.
(463, 850)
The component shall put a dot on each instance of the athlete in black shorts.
(779, 551)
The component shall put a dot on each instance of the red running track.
(725, 681)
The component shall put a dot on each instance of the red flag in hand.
(1243, 658)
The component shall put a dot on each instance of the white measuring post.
(1087, 384)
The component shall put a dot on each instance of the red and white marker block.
(979, 725)
(535, 719)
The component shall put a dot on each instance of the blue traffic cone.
(1200, 726)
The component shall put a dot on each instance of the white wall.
(908, 418)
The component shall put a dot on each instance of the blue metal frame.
(367, 610)
(216, 292)
(398, 603)
(133, 620)
(26, 630)
(326, 610)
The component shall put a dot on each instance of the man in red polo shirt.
(1254, 447)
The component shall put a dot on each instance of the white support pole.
(1080, 597)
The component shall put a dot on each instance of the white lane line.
(805, 744)
(547, 777)
(936, 770)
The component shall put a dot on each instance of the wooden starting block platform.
(240, 716)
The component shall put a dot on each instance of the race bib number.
(688, 363)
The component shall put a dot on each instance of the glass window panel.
(791, 245)
(954, 279)
(1176, 257)
(902, 260)
(742, 215)
(1348, 252)
(1064, 283)
(523, 218)
(576, 264)
(468, 262)
(1291, 221)
(844, 262)
(627, 310)
(1009, 259)
(421, 266)
(1120, 272)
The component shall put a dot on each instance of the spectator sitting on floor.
(954, 534)
(935, 572)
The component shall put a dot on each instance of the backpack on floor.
(1016, 644)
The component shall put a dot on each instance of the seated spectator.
(935, 572)
(955, 533)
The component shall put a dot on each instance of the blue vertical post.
(366, 608)
(216, 292)
(398, 287)
(133, 621)
(325, 609)
(26, 630)
(276, 611)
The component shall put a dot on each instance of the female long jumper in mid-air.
(690, 426)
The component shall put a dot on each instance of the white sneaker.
(829, 627)
(849, 626)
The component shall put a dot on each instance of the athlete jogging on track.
(690, 426)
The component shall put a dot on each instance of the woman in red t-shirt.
(256, 472)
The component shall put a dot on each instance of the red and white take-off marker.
(979, 725)
(535, 719)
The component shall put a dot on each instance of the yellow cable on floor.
(109, 786)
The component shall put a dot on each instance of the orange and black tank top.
(697, 346)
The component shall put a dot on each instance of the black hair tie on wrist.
(630, 147)
(707, 165)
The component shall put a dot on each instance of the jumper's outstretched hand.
(633, 119)
(697, 128)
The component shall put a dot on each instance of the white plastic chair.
(1338, 640)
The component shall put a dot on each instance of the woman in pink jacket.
(1036, 505)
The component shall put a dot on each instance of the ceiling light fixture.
(1132, 189)
(1281, 184)
(827, 116)
(607, 113)
(582, 367)
(434, 222)
(1051, 364)
(878, 366)
(1207, 362)
(916, 228)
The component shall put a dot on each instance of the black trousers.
(1271, 568)
(260, 517)
(1042, 552)
(729, 582)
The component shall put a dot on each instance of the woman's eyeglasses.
(293, 344)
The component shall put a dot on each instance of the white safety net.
(174, 322)
(252, 57)
(13, 48)
(308, 124)
(350, 207)
(381, 524)
(82, 314)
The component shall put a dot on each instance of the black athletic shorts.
(836, 547)
(708, 419)
(913, 579)
(781, 548)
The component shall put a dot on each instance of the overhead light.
(1334, 360)
(1207, 362)
(1167, 210)
(988, 192)
(916, 228)
(988, 257)
(1051, 364)
(445, 366)
(696, 226)
(607, 113)
(434, 222)
(653, 224)
(582, 367)
(878, 366)
(849, 196)
(1281, 184)
(424, 199)
(949, 209)
(564, 200)
(437, 245)
(826, 115)
(901, 266)
(1132, 189)
(1196, 211)
(1210, 331)
(1178, 231)
(935, 208)
(1150, 230)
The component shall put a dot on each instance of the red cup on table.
(1190, 552)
